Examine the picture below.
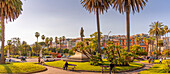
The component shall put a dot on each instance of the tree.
(60, 39)
(166, 32)
(56, 42)
(96, 6)
(36, 48)
(138, 40)
(47, 42)
(156, 30)
(43, 44)
(82, 33)
(51, 41)
(10, 10)
(63, 38)
(37, 35)
(9, 42)
(43, 37)
(126, 6)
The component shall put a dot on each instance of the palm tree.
(51, 41)
(63, 38)
(56, 41)
(37, 35)
(126, 6)
(82, 33)
(60, 39)
(10, 10)
(96, 6)
(166, 32)
(43, 37)
(47, 42)
(9, 42)
(156, 30)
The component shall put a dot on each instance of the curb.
(100, 71)
(35, 71)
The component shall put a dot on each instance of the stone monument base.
(78, 57)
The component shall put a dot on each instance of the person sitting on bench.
(65, 66)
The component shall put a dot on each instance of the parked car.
(64, 56)
(49, 58)
(167, 57)
(59, 56)
(68, 56)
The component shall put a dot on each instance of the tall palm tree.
(51, 41)
(96, 6)
(127, 6)
(81, 33)
(9, 42)
(56, 41)
(47, 42)
(157, 31)
(10, 10)
(166, 32)
(43, 37)
(63, 39)
(37, 35)
(60, 40)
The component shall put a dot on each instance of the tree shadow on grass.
(7, 69)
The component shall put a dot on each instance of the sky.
(65, 18)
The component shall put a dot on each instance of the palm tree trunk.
(128, 29)
(157, 46)
(98, 30)
(3, 39)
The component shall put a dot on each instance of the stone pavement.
(52, 70)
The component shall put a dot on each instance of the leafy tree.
(10, 10)
(96, 6)
(138, 40)
(66, 50)
(156, 30)
(71, 52)
(127, 6)
(36, 48)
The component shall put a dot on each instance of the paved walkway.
(147, 66)
(52, 70)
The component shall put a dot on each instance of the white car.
(48, 58)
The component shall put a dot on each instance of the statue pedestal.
(78, 57)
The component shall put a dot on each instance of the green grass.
(156, 68)
(20, 68)
(87, 66)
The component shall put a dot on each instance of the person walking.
(65, 66)
(160, 60)
(149, 60)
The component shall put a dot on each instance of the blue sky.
(65, 18)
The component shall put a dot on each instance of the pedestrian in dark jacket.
(65, 66)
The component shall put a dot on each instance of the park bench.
(72, 66)
(105, 67)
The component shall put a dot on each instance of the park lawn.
(20, 68)
(156, 68)
(155, 61)
(87, 66)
